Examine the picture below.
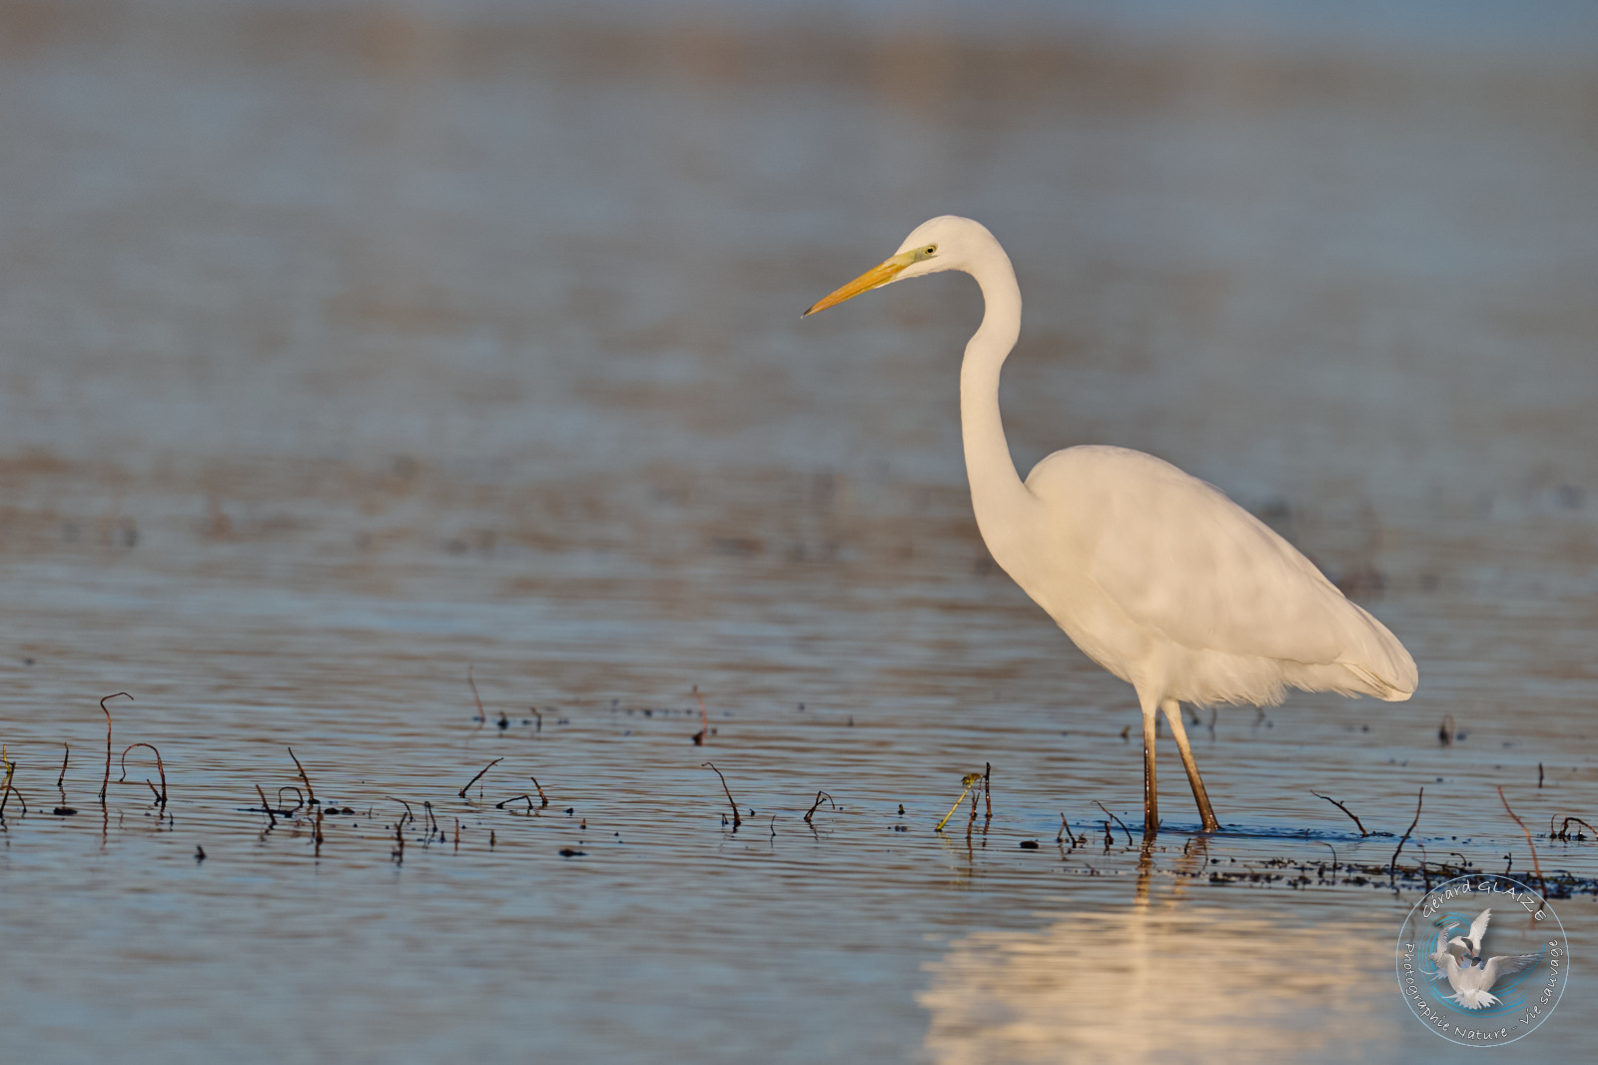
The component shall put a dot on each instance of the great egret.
(1156, 575)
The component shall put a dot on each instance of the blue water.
(354, 351)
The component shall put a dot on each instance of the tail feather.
(1378, 659)
(1380, 687)
(1373, 662)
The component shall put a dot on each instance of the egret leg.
(1173, 714)
(1151, 799)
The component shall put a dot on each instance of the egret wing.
(1180, 557)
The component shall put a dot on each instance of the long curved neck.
(997, 491)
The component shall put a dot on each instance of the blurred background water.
(351, 345)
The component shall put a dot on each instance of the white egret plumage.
(1156, 575)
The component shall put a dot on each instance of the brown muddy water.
(349, 349)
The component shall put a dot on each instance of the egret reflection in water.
(1165, 980)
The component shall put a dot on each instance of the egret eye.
(929, 249)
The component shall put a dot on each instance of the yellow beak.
(875, 277)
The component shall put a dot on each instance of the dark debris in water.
(1290, 866)
(1295, 873)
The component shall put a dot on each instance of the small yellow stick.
(970, 781)
(5, 785)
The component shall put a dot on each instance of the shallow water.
(352, 350)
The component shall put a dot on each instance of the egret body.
(1156, 575)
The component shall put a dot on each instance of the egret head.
(947, 242)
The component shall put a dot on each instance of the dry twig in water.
(1357, 822)
(987, 795)
(701, 737)
(160, 796)
(5, 785)
(1536, 867)
(479, 775)
(1065, 832)
(1392, 865)
(66, 754)
(107, 781)
(517, 798)
(271, 815)
(821, 797)
(967, 782)
(1564, 828)
(310, 791)
(736, 820)
(407, 814)
(482, 715)
(1118, 821)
